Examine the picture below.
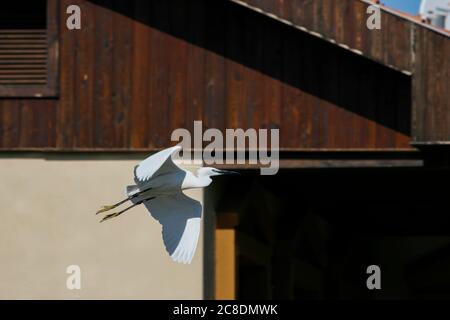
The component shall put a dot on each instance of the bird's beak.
(228, 172)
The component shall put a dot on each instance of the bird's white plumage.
(180, 217)
(159, 185)
(158, 163)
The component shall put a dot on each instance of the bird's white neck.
(196, 181)
(203, 181)
(204, 177)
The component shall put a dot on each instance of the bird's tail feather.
(131, 190)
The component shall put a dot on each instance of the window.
(29, 48)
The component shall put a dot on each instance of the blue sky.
(410, 6)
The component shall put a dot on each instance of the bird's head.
(210, 172)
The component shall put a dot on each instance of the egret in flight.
(159, 185)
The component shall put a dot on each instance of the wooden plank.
(53, 62)
(177, 67)
(236, 72)
(252, 109)
(225, 255)
(105, 43)
(431, 108)
(225, 262)
(84, 78)
(331, 163)
(292, 98)
(195, 62)
(161, 44)
(139, 82)
(122, 73)
(66, 106)
(39, 117)
(272, 90)
(10, 71)
(214, 112)
(39, 62)
(10, 127)
(29, 76)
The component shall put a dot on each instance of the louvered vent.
(23, 43)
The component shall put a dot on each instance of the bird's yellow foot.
(104, 209)
(110, 216)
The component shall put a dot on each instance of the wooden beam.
(321, 163)
(225, 264)
(225, 256)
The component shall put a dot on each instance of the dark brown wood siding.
(344, 22)
(401, 43)
(138, 70)
(431, 82)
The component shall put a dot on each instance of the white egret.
(159, 186)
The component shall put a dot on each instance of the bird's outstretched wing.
(156, 164)
(180, 217)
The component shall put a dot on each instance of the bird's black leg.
(113, 215)
(107, 208)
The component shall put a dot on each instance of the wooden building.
(355, 107)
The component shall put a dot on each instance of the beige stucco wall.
(47, 222)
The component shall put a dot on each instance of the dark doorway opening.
(312, 234)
